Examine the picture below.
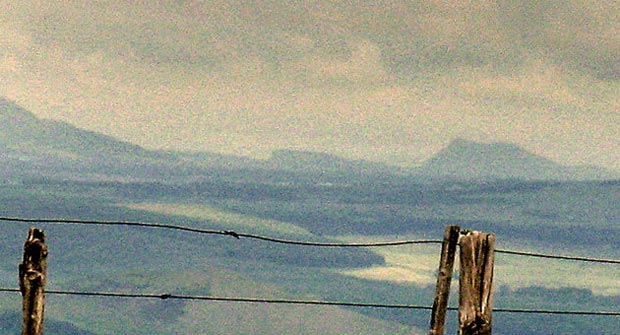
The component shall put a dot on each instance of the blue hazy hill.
(47, 147)
(468, 160)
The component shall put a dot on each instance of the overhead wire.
(563, 257)
(166, 296)
(232, 233)
(239, 235)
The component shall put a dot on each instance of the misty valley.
(559, 217)
(53, 170)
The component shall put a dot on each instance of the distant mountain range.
(38, 147)
(468, 160)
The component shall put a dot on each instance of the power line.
(239, 235)
(113, 223)
(166, 296)
(555, 312)
(219, 232)
(337, 244)
(570, 258)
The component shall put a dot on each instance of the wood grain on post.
(444, 278)
(32, 277)
(476, 283)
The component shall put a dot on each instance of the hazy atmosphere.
(290, 167)
(389, 81)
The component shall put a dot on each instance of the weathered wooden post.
(476, 283)
(444, 277)
(32, 277)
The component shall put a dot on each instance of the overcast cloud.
(390, 81)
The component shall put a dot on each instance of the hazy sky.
(389, 81)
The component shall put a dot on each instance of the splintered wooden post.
(444, 277)
(32, 276)
(476, 283)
